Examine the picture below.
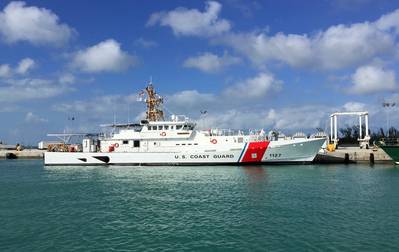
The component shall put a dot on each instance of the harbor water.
(209, 208)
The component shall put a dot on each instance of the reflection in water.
(257, 182)
(255, 173)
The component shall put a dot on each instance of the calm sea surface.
(211, 208)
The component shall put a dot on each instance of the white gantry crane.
(363, 140)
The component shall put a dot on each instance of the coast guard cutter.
(156, 141)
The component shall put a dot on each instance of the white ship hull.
(280, 151)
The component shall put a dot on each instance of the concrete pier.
(24, 154)
(353, 155)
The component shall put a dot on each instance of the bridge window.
(125, 142)
(166, 127)
(160, 127)
(178, 127)
(136, 143)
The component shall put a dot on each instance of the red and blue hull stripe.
(253, 152)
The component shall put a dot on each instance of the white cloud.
(38, 26)
(292, 49)
(192, 22)
(211, 63)
(145, 43)
(67, 78)
(5, 71)
(354, 106)
(25, 65)
(234, 118)
(102, 109)
(30, 89)
(188, 101)
(337, 47)
(220, 113)
(303, 117)
(257, 87)
(32, 118)
(287, 119)
(341, 46)
(371, 79)
(389, 21)
(106, 56)
(97, 105)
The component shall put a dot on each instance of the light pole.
(388, 105)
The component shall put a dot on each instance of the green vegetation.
(350, 135)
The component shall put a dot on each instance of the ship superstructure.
(156, 141)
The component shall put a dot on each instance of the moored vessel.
(156, 141)
(391, 148)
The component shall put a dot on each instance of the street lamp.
(388, 105)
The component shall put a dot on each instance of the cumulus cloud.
(38, 26)
(33, 118)
(389, 21)
(337, 47)
(5, 71)
(370, 79)
(102, 109)
(187, 101)
(192, 22)
(303, 117)
(25, 65)
(354, 106)
(97, 105)
(211, 63)
(30, 89)
(220, 113)
(257, 87)
(106, 56)
(234, 118)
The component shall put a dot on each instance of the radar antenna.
(154, 104)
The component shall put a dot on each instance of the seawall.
(24, 154)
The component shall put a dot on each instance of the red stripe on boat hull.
(255, 152)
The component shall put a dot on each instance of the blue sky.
(251, 64)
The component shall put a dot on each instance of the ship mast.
(154, 104)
